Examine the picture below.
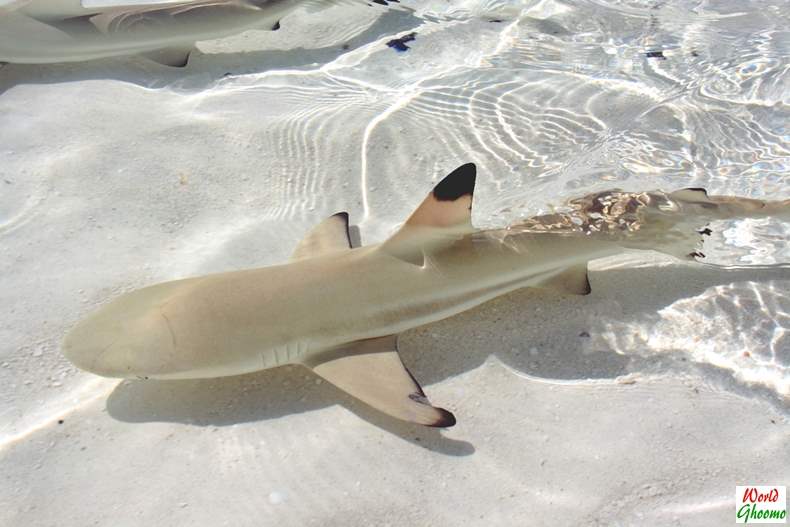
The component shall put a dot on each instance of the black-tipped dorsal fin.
(443, 215)
(371, 370)
(449, 205)
(328, 236)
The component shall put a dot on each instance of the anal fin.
(371, 370)
(573, 280)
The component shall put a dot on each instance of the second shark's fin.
(371, 370)
(444, 215)
(173, 57)
(328, 236)
(573, 280)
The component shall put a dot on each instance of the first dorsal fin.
(371, 370)
(449, 205)
(443, 215)
(328, 236)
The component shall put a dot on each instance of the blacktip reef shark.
(338, 309)
(49, 31)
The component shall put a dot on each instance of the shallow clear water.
(119, 173)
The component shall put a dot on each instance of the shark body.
(338, 309)
(50, 31)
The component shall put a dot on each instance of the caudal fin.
(699, 202)
(677, 223)
(673, 223)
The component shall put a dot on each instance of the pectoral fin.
(328, 236)
(371, 370)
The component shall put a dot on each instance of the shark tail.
(729, 207)
(676, 223)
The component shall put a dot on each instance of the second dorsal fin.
(443, 215)
(328, 236)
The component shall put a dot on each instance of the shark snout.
(95, 350)
(113, 344)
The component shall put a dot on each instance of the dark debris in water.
(655, 55)
(399, 44)
(384, 2)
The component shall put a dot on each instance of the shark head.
(125, 338)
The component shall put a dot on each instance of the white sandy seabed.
(644, 403)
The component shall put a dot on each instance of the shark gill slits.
(460, 182)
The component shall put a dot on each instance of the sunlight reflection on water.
(727, 326)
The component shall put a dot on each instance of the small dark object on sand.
(399, 44)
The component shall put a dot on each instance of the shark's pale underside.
(338, 309)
